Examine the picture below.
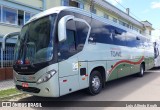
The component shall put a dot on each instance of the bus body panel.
(68, 84)
(68, 75)
(135, 68)
(111, 75)
(95, 64)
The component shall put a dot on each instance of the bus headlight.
(46, 76)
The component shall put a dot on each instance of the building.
(15, 13)
(148, 28)
(104, 9)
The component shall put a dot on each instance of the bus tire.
(95, 83)
(141, 73)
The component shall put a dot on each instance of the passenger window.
(143, 42)
(131, 40)
(119, 37)
(100, 33)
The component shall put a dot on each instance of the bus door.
(73, 74)
(68, 62)
(83, 30)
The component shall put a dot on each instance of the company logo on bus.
(24, 68)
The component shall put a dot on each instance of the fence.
(7, 56)
(6, 62)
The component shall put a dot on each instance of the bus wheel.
(141, 73)
(95, 83)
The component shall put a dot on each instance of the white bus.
(65, 49)
(156, 53)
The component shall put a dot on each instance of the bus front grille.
(26, 73)
(28, 89)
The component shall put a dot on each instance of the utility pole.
(44, 5)
(92, 5)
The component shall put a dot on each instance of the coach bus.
(65, 49)
(156, 53)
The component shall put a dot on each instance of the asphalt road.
(129, 88)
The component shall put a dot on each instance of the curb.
(10, 96)
(7, 88)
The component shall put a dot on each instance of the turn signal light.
(27, 62)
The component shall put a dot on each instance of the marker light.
(27, 62)
(19, 62)
(46, 76)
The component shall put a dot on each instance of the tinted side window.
(118, 36)
(133, 43)
(100, 32)
(82, 31)
(71, 39)
(143, 42)
(131, 40)
(68, 47)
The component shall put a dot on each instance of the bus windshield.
(35, 44)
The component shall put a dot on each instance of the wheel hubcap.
(96, 83)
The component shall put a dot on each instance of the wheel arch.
(102, 71)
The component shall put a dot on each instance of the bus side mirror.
(62, 35)
(10, 35)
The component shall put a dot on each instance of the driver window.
(68, 47)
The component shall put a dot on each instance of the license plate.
(25, 85)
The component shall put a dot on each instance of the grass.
(8, 92)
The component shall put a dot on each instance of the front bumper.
(49, 88)
(46, 89)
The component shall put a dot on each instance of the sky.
(142, 10)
